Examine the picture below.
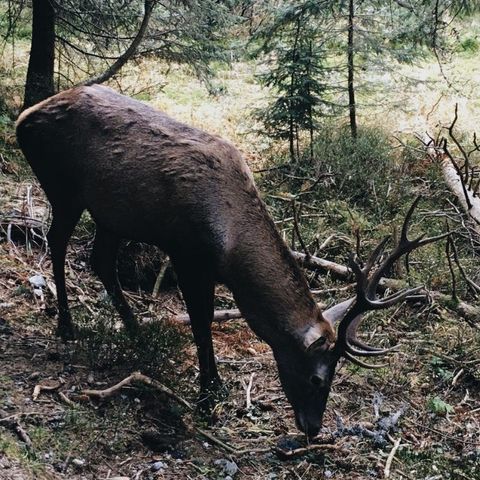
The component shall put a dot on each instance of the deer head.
(308, 390)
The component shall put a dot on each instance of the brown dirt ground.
(123, 437)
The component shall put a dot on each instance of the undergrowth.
(362, 189)
(153, 350)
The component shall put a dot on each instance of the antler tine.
(376, 253)
(356, 347)
(424, 241)
(363, 346)
(369, 353)
(366, 299)
(404, 247)
(408, 218)
(360, 363)
(392, 299)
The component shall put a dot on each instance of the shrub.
(152, 350)
(362, 169)
(470, 45)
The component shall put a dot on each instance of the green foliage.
(439, 407)
(362, 170)
(152, 350)
(15, 23)
(440, 369)
(292, 48)
(470, 45)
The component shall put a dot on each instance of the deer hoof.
(210, 397)
(65, 332)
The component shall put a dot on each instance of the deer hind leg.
(63, 222)
(198, 292)
(104, 264)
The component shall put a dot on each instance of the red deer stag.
(144, 176)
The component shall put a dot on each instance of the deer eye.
(317, 344)
(317, 380)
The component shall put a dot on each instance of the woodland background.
(346, 111)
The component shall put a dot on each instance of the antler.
(366, 293)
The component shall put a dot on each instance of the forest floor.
(50, 430)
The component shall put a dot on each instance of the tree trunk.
(466, 197)
(291, 138)
(39, 83)
(293, 135)
(351, 89)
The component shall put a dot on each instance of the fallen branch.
(218, 316)
(215, 440)
(140, 378)
(13, 424)
(466, 197)
(341, 272)
(388, 463)
(299, 452)
(470, 313)
(44, 388)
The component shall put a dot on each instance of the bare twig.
(452, 271)
(14, 424)
(160, 276)
(140, 378)
(297, 229)
(466, 158)
(248, 391)
(388, 463)
(215, 440)
(218, 316)
(474, 288)
(299, 452)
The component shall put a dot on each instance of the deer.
(147, 177)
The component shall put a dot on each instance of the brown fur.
(144, 176)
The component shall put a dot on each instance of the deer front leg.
(198, 292)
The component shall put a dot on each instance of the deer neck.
(270, 289)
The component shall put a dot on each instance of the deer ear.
(315, 339)
(336, 313)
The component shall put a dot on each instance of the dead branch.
(466, 158)
(388, 463)
(450, 267)
(137, 377)
(457, 183)
(470, 313)
(341, 272)
(12, 423)
(299, 452)
(160, 276)
(218, 316)
(315, 263)
(297, 230)
(474, 288)
(215, 440)
(44, 388)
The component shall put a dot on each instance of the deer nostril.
(316, 380)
